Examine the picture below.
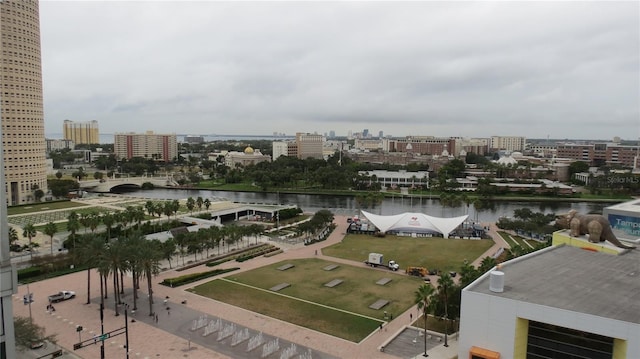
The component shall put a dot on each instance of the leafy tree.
(58, 175)
(38, 193)
(27, 332)
(578, 167)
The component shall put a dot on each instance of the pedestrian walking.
(411, 317)
(156, 318)
(380, 326)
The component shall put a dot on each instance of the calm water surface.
(343, 205)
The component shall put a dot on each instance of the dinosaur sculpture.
(595, 225)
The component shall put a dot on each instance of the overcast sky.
(472, 69)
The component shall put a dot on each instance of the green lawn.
(307, 279)
(435, 252)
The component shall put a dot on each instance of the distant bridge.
(107, 184)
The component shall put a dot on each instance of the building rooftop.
(631, 206)
(573, 279)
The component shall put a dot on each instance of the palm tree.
(175, 206)
(168, 249)
(93, 221)
(199, 203)
(86, 254)
(445, 289)
(114, 263)
(150, 207)
(149, 261)
(108, 219)
(191, 203)
(50, 229)
(29, 231)
(207, 203)
(13, 235)
(423, 296)
(73, 224)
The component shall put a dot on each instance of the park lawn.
(39, 207)
(326, 320)
(432, 253)
(357, 291)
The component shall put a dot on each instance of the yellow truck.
(417, 271)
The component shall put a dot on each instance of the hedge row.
(256, 253)
(194, 277)
(233, 255)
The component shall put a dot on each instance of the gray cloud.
(564, 69)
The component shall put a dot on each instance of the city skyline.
(532, 69)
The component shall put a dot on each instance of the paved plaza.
(182, 321)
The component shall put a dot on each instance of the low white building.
(575, 299)
(398, 178)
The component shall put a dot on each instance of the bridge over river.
(107, 184)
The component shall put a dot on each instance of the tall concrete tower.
(23, 139)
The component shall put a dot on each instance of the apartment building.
(25, 164)
(58, 145)
(160, 147)
(279, 148)
(600, 154)
(423, 145)
(508, 143)
(81, 133)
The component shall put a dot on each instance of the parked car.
(62, 295)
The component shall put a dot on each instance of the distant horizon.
(59, 135)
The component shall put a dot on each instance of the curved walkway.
(169, 337)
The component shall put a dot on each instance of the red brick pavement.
(151, 341)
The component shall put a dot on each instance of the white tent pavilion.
(415, 223)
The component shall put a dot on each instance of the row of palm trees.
(115, 257)
(204, 239)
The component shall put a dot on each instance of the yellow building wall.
(563, 237)
(520, 339)
(619, 349)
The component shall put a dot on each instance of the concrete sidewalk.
(169, 337)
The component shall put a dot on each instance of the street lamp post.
(28, 299)
(424, 312)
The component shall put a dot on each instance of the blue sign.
(626, 224)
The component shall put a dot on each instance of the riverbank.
(469, 195)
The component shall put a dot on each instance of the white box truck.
(377, 260)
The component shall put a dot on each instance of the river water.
(344, 205)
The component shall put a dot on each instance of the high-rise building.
(149, 145)
(25, 165)
(81, 133)
(23, 145)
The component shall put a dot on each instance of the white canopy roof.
(415, 222)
